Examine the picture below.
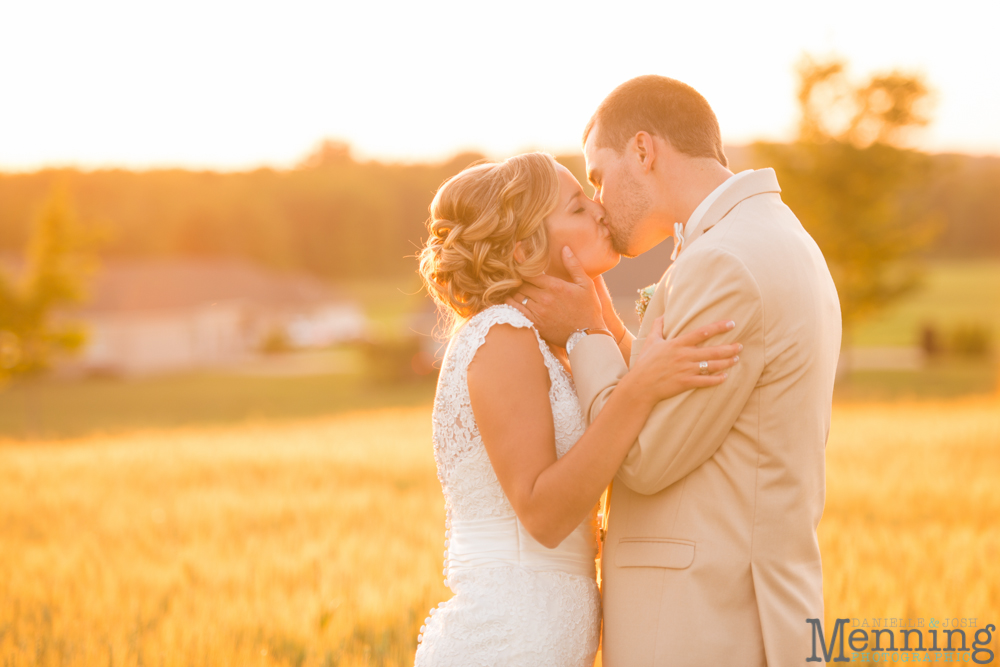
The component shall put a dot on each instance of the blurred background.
(217, 364)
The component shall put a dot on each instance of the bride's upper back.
(486, 235)
(470, 485)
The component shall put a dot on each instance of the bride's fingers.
(574, 268)
(517, 304)
(715, 352)
(528, 290)
(717, 366)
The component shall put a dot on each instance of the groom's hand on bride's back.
(558, 307)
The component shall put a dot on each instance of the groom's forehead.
(591, 158)
(597, 156)
(597, 160)
(590, 145)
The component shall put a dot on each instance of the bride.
(521, 472)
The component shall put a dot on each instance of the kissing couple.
(705, 434)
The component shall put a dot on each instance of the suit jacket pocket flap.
(654, 552)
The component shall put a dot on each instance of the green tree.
(859, 194)
(58, 260)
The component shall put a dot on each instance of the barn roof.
(182, 283)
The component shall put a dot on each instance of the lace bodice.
(516, 603)
(471, 488)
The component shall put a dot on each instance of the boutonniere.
(645, 294)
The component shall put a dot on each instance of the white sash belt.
(504, 541)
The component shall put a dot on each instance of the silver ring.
(525, 302)
(702, 367)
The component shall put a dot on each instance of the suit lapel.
(761, 181)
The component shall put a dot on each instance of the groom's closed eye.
(595, 179)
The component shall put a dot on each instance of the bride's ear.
(518, 253)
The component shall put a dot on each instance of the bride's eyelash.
(580, 210)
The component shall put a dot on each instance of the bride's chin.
(603, 268)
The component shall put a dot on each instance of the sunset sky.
(234, 85)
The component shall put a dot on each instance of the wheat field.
(319, 542)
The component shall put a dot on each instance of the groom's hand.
(557, 307)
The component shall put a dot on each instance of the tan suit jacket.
(711, 556)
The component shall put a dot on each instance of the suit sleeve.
(683, 432)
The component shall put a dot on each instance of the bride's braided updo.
(476, 219)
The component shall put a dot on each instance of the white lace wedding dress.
(516, 602)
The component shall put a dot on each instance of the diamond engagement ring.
(525, 302)
(703, 367)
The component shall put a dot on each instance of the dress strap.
(478, 327)
(481, 323)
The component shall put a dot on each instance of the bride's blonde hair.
(476, 219)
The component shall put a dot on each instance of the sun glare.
(229, 85)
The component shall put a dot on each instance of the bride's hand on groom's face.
(558, 307)
(611, 319)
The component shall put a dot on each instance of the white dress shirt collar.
(680, 231)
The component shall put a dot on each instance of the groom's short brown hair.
(664, 107)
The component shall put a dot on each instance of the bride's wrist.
(618, 328)
(637, 388)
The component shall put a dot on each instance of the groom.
(711, 556)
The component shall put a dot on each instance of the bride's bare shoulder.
(509, 350)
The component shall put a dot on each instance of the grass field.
(50, 409)
(948, 378)
(228, 520)
(59, 409)
(953, 293)
(315, 543)
(318, 541)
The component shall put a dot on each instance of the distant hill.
(340, 218)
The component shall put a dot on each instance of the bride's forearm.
(566, 491)
(613, 322)
(621, 333)
(625, 346)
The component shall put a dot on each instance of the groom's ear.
(645, 150)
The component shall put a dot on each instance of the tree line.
(345, 219)
(332, 216)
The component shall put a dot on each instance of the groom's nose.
(601, 213)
